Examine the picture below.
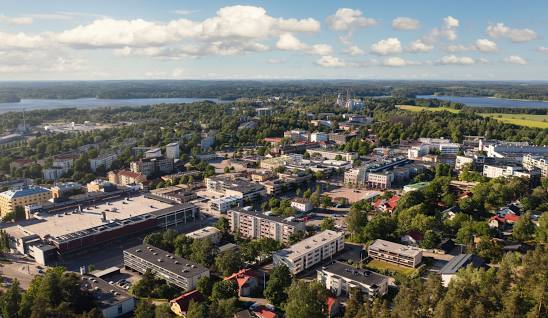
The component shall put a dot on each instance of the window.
(120, 309)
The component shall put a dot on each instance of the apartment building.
(251, 224)
(531, 162)
(22, 197)
(222, 205)
(170, 267)
(319, 137)
(340, 278)
(380, 180)
(301, 205)
(355, 176)
(105, 161)
(172, 150)
(111, 300)
(126, 177)
(490, 171)
(332, 154)
(297, 135)
(395, 253)
(310, 251)
(151, 166)
(209, 232)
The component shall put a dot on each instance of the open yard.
(535, 121)
(381, 266)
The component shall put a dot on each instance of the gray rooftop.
(366, 277)
(167, 261)
(105, 294)
(460, 261)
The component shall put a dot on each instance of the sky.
(277, 39)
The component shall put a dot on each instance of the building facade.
(395, 253)
(11, 199)
(340, 278)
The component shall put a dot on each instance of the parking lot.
(18, 267)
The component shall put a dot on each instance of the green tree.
(10, 300)
(145, 309)
(356, 219)
(196, 310)
(306, 300)
(163, 311)
(524, 229)
(224, 289)
(278, 282)
(203, 252)
(328, 223)
(223, 308)
(204, 285)
(541, 234)
(228, 263)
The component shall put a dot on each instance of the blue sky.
(95, 40)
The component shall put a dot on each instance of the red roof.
(330, 302)
(393, 202)
(184, 300)
(129, 174)
(390, 204)
(241, 277)
(263, 312)
(272, 139)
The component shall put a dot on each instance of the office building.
(449, 148)
(151, 166)
(310, 251)
(319, 137)
(297, 135)
(395, 253)
(379, 180)
(340, 278)
(167, 266)
(251, 224)
(112, 301)
(11, 199)
(172, 150)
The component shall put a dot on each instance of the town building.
(251, 224)
(355, 177)
(167, 266)
(340, 278)
(209, 232)
(231, 186)
(172, 150)
(531, 162)
(179, 306)
(222, 205)
(153, 153)
(112, 301)
(379, 180)
(281, 161)
(449, 271)
(263, 111)
(104, 161)
(173, 194)
(11, 199)
(151, 166)
(319, 137)
(63, 190)
(247, 281)
(491, 171)
(297, 135)
(310, 251)
(395, 253)
(302, 205)
(332, 154)
(100, 185)
(126, 177)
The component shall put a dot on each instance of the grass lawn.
(534, 121)
(412, 108)
(385, 266)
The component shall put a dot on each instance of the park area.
(527, 120)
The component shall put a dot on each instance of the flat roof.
(203, 232)
(366, 277)
(265, 216)
(60, 224)
(312, 242)
(105, 294)
(167, 261)
(396, 248)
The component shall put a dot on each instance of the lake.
(34, 104)
(480, 101)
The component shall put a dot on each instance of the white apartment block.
(355, 176)
(222, 205)
(301, 205)
(104, 160)
(209, 232)
(319, 136)
(380, 180)
(332, 154)
(504, 171)
(449, 148)
(310, 251)
(172, 150)
(340, 278)
(530, 162)
(251, 224)
(461, 161)
(395, 253)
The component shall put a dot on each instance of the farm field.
(535, 121)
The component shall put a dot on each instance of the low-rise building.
(170, 267)
(449, 271)
(355, 177)
(490, 171)
(251, 224)
(222, 205)
(340, 278)
(209, 232)
(231, 186)
(310, 251)
(319, 137)
(126, 177)
(395, 253)
(63, 190)
(302, 205)
(332, 154)
(111, 300)
(247, 281)
(99, 185)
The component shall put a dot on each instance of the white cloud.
(178, 72)
(330, 61)
(395, 61)
(230, 23)
(457, 48)
(419, 46)
(542, 49)
(499, 30)
(288, 42)
(20, 41)
(515, 59)
(345, 19)
(460, 60)
(276, 61)
(15, 20)
(354, 50)
(405, 23)
(184, 12)
(387, 46)
(449, 22)
(485, 45)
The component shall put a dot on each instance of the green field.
(536, 121)
(381, 266)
